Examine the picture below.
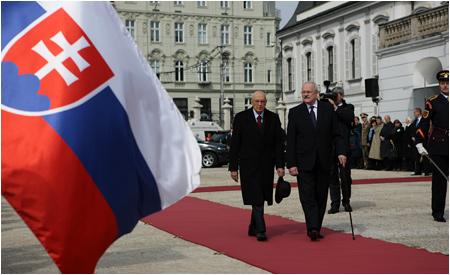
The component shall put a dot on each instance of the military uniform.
(364, 139)
(436, 112)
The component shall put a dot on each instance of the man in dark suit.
(345, 113)
(385, 147)
(408, 150)
(421, 166)
(436, 112)
(257, 146)
(312, 131)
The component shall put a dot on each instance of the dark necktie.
(313, 116)
(259, 122)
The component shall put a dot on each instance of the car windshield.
(216, 137)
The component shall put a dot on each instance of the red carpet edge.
(224, 229)
(294, 184)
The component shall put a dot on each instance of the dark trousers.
(313, 190)
(336, 172)
(439, 185)
(397, 163)
(387, 164)
(257, 223)
(409, 164)
(365, 153)
(423, 166)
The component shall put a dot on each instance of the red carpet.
(224, 229)
(294, 184)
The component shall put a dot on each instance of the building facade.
(191, 44)
(347, 42)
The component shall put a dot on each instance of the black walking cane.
(349, 212)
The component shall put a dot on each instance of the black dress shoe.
(261, 237)
(348, 208)
(333, 210)
(251, 233)
(313, 234)
(440, 219)
(320, 236)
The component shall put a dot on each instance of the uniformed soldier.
(436, 111)
(364, 138)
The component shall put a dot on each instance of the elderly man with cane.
(436, 112)
(312, 131)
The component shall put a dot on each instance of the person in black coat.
(257, 146)
(312, 131)
(345, 114)
(436, 112)
(385, 147)
(356, 145)
(408, 146)
(421, 165)
(397, 142)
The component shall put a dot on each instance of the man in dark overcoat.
(421, 165)
(436, 112)
(312, 131)
(408, 150)
(257, 146)
(385, 147)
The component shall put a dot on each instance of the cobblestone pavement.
(393, 212)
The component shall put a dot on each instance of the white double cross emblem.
(56, 62)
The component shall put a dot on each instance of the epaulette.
(433, 97)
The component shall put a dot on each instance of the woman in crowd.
(375, 143)
(397, 142)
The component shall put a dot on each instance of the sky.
(287, 9)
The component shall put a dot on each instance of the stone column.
(197, 108)
(227, 114)
(281, 109)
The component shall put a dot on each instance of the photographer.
(345, 114)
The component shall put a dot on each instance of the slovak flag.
(91, 141)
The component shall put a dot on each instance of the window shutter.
(357, 58)
(313, 67)
(285, 75)
(324, 65)
(335, 75)
(303, 69)
(347, 61)
(293, 74)
(374, 56)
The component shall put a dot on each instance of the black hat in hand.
(283, 190)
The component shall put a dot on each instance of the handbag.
(392, 153)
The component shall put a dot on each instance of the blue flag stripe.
(18, 16)
(100, 135)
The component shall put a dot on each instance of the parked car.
(223, 137)
(213, 154)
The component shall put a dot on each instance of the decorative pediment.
(180, 55)
(422, 8)
(307, 41)
(288, 47)
(381, 18)
(157, 54)
(352, 26)
(328, 34)
(250, 57)
(203, 55)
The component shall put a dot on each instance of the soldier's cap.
(442, 75)
(363, 115)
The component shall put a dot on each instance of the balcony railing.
(414, 27)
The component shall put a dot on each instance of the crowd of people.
(380, 144)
